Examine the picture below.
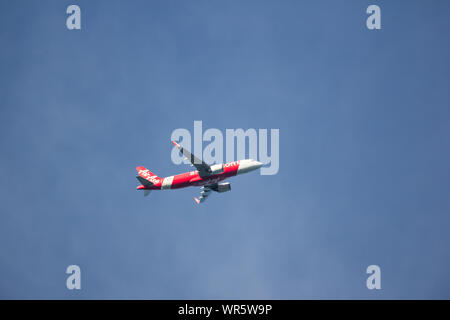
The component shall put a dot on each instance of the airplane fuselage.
(193, 178)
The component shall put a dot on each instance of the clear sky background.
(364, 119)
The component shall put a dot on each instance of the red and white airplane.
(207, 177)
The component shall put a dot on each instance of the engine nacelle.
(217, 168)
(222, 187)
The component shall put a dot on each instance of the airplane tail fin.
(146, 177)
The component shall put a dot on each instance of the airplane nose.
(248, 165)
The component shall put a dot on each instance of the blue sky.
(364, 149)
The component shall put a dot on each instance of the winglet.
(176, 144)
(196, 200)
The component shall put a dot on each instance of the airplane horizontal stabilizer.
(144, 182)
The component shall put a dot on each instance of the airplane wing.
(206, 190)
(203, 168)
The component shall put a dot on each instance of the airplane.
(207, 177)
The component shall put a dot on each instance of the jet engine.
(222, 187)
